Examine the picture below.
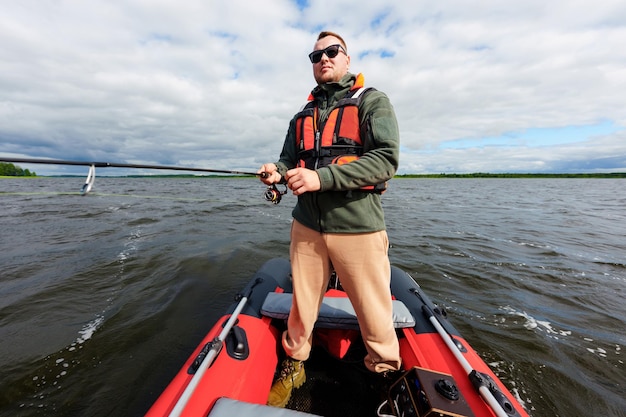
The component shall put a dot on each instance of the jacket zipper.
(318, 146)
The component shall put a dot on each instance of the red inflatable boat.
(231, 371)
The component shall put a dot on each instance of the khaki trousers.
(362, 265)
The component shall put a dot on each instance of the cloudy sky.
(481, 86)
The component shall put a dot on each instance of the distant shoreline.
(516, 175)
(442, 175)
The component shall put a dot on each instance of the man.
(337, 162)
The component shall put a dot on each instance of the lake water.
(103, 297)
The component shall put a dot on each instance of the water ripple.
(103, 297)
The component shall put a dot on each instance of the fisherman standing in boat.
(337, 156)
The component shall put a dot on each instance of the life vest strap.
(340, 139)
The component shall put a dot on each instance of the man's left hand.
(302, 180)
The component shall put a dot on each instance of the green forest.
(10, 170)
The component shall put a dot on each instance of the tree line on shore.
(517, 175)
(10, 170)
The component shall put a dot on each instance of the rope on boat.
(379, 412)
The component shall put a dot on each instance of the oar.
(475, 377)
(216, 347)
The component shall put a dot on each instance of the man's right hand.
(272, 176)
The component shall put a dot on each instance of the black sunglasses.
(330, 51)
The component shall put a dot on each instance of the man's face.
(330, 69)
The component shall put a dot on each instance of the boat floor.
(339, 387)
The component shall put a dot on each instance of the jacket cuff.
(281, 168)
(326, 178)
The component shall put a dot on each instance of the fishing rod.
(272, 194)
(120, 165)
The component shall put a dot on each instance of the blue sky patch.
(302, 4)
(382, 53)
(537, 137)
(377, 21)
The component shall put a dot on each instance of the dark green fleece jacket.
(339, 207)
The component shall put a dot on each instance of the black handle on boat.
(502, 409)
(212, 353)
(479, 380)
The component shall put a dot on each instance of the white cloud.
(214, 84)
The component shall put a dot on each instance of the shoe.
(382, 382)
(391, 375)
(291, 376)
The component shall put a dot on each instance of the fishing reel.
(273, 194)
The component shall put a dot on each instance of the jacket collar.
(340, 88)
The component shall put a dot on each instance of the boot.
(291, 376)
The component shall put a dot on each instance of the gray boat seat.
(335, 312)
(225, 407)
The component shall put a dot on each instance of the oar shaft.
(483, 390)
(210, 358)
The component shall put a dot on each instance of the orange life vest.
(339, 139)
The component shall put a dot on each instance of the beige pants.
(362, 265)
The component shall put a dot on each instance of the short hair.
(326, 33)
